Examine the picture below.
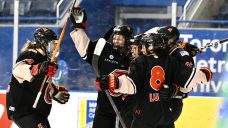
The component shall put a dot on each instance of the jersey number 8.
(157, 77)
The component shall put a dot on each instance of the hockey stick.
(115, 109)
(212, 45)
(53, 58)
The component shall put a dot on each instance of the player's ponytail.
(28, 45)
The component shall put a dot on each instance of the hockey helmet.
(121, 38)
(46, 39)
(124, 30)
(136, 39)
(171, 33)
(152, 30)
(154, 43)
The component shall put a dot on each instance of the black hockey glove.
(110, 82)
(104, 82)
(39, 70)
(180, 95)
(45, 68)
(168, 91)
(191, 49)
(60, 94)
(78, 18)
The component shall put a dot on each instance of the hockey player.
(174, 49)
(135, 47)
(147, 75)
(183, 53)
(27, 76)
(104, 57)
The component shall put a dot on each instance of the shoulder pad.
(29, 54)
(184, 53)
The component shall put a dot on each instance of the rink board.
(79, 112)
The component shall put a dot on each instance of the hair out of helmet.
(169, 32)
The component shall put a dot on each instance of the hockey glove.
(44, 68)
(52, 68)
(39, 70)
(104, 83)
(207, 72)
(78, 18)
(110, 83)
(169, 91)
(60, 94)
(113, 83)
(180, 95)
(191, 49)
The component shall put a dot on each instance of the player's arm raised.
(79, 22)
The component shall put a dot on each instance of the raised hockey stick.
(212, 45)
(53, 58)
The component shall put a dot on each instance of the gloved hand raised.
(78, 18)
(60, 94)
(191, 49)
(45, 68)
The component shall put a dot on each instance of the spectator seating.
(7, 7)
(2, 5)
(222, 15)
(43, 8)
(29, 7)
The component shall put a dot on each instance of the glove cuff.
(113, 82)
(98, 83)
(207, 72)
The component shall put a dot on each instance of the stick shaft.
(213, 44)
(115, 109)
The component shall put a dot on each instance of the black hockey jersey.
(108, 60)
(21, 95)
(182, 56)
(148, 74)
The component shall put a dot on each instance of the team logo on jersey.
(184, 53)
(138, 111)
(189, 64)
(111, 57)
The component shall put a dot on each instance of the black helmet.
(154, 43)
(170, 32)
(44, 35)
(124, 30)
(136, 39)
